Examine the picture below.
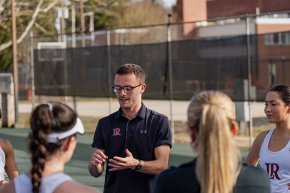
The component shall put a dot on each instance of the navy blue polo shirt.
(115, 133)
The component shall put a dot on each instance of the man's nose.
(122, 91)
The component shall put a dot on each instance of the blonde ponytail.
(217, 162)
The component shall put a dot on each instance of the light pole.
(82, 22)
(73, 31)
(73, 23)
(15, 70)
(249, 66)
(170, 74)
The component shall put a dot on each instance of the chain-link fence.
(231, 54)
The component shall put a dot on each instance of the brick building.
(224, 18)
(196, 10)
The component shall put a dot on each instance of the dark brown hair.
(284, 92)
(46, 118)
(132, 68)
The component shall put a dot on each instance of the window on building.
(268, 39)
(277, 38)
(285, 38)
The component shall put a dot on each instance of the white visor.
(55, 137)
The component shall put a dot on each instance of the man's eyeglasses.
(126, 89)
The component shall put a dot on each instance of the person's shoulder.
(74, 187)
(252, 170)
(260, 137)
(176, 172)
(157, 114)
(5, 142)
(109, 117)
(6, 145)
(178, 179)
(7, 188)
(263, 134)
(253, 177)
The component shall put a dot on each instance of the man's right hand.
(96, 164)
(98, 157)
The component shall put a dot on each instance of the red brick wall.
(184, 14)
(272, 28)
(278, 54)
(226, 8)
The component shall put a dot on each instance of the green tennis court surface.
(77, 167)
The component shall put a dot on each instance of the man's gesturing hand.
(119, 163)
(98, 157)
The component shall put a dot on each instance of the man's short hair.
(132, 68)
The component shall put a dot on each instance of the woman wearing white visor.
(52, 142)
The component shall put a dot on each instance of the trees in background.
(142, 13)
(30, 14)
(43, 18)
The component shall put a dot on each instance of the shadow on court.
(77, 167)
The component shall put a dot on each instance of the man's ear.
(235, 128)
(143, 87)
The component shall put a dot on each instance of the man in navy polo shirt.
(134, 141)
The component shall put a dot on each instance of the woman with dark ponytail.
(52, 142)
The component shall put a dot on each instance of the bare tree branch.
(38, 26)
(45, 10)
(30, 24)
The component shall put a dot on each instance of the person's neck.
(132, 112)
(283, 129)
(53, 166)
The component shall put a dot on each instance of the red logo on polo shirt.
(116, 132)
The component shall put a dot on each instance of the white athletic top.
(49, 183)
(276, 164)
(2, 164)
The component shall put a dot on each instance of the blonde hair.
(212, 114)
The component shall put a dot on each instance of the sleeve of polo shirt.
(164, 135)
(98, 141)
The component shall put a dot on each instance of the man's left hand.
(120, 163)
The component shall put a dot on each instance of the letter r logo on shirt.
(116, 132)
(272, 170)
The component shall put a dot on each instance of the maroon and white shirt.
(276, 164)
